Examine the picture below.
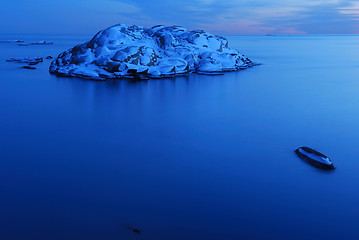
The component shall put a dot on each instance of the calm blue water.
(198, 157)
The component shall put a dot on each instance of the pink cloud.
(291, 31)
(238, 27)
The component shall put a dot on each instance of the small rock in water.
(28, 67)
(314, 158)
(36, 43)
(135, 230)
(11, 41)
(42, 43)
(48, 57)
(31, 61)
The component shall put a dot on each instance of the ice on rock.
(134, 51)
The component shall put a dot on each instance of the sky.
(216, 16)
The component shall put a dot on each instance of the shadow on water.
(153, 88)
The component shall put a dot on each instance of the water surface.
(198, 157)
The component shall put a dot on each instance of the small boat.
(314, 158)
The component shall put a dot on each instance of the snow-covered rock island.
(136, 52)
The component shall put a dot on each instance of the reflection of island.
(157, 52)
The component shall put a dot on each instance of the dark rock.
(35, 43)
(11, 41)
(135, 230)
(48, 57)
(42, 43)
(28, 67)
(31, 61)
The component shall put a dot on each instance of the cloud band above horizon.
(221, 17)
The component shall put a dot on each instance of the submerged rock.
(315, 158)
(11, 41)
(133, 51)
(48, 57)
(30, 61)
(42, 43)
(36, 43)
(28, 67)
(135, 230)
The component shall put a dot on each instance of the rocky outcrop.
(28, 60)
(11, 41)
(137, 52)
(28, 67)
(36, 43)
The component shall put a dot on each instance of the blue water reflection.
(197, 157)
